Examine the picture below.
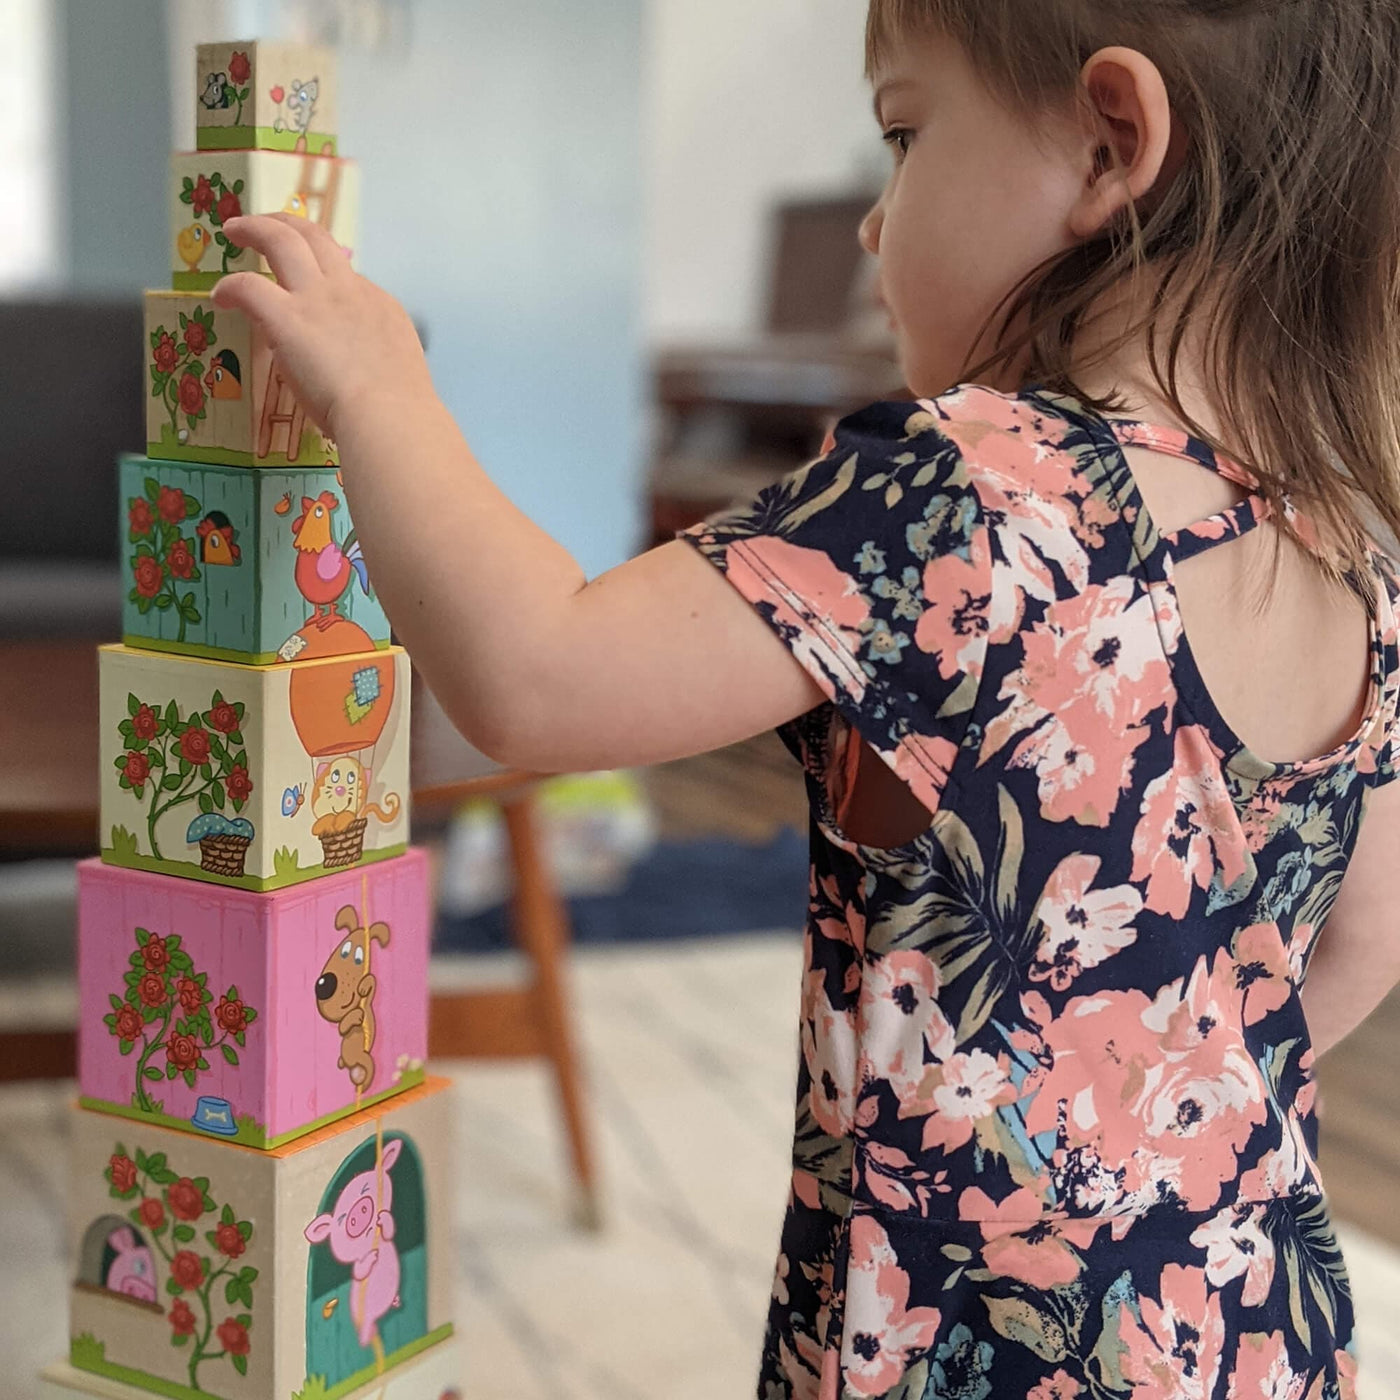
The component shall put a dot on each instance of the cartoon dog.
(345, 993)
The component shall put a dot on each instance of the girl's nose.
(870, 229)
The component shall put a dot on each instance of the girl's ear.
(1127, 143)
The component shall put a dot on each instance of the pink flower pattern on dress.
(1055, 1130)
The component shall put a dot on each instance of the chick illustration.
(192, 244)
(225, 377)
(216, 540)
(296, 204)
(284, 504)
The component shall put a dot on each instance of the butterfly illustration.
(292, 799)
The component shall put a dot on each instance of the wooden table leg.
(541, 927)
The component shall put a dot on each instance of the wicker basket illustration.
(344, 847)
(224, 855)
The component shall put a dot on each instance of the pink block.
(271, 1015)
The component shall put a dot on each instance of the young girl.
(1056, 1123)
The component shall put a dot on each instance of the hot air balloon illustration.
(340, 708)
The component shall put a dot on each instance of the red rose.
(180, 560)
(123, 1172)
(185, 1199)
(190, 993)
(166, 354)
(128, 1025)
(231, 1015)
(229, 207)
(155, 954)
(194, 745)
(223, 717)
(171, 504)
(137, 769)
(191, 394)
(152, 1213)
(239, 69)
(182, 1051)
(202, 196)
(186, 1269)
(228, 1240)
(139, 516)
(149, 575)
(145, 722)
(196, 337)
(238, 784)
(151, 988)
(182, 1319)
(233, 1337)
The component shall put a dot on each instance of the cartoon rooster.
(323, 567)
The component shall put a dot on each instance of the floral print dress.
(1055, 1130)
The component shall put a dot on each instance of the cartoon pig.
(133, 1271)
(354, 1240)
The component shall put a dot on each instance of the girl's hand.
(338, 339)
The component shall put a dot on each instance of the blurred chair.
(733, 418)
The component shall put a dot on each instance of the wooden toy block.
(204, 1269)
(210, 187)
(255, 777)
(215, 393)
(434, 1374)
(265, 95)
(255, 1017)
(230, 564)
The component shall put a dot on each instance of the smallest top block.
(265, 95)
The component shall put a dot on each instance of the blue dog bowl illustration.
(214, 1115)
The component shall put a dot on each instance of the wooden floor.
(752, 789)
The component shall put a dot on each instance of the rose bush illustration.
(194, 1314)
(210, 197)
(176, 370)
(161, 984)
(163, 554)
(200, 759)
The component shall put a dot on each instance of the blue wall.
(502, 204)
(114, 131)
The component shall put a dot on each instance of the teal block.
(213, 567)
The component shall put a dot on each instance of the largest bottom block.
(434, 1374)
(208, 1269)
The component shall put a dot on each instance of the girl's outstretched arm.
(657, 659)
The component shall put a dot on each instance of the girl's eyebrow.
(891, 86)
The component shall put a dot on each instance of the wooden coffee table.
(49, 807)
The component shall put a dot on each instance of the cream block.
(205, 1269)
(256, 777)
(265, 94)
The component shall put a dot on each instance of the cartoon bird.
(216, 540)
(225, 377)
(296, 204)
(323, 567)
(284, 504)
(192, 244)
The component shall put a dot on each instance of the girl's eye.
(898, 138)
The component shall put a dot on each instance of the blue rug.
(679, 890)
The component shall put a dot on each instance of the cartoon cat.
(341, 797)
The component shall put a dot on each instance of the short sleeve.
(873, 565)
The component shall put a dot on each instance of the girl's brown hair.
(1284, 221)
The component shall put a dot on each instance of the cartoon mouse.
(345, 993)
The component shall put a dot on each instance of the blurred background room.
(627, 232)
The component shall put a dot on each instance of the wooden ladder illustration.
(319, 188)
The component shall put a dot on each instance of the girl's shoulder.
(1030, 442)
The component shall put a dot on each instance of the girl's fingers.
(258, 297)
(288, 254)
(329, 255)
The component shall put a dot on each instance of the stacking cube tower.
(260, 1193)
